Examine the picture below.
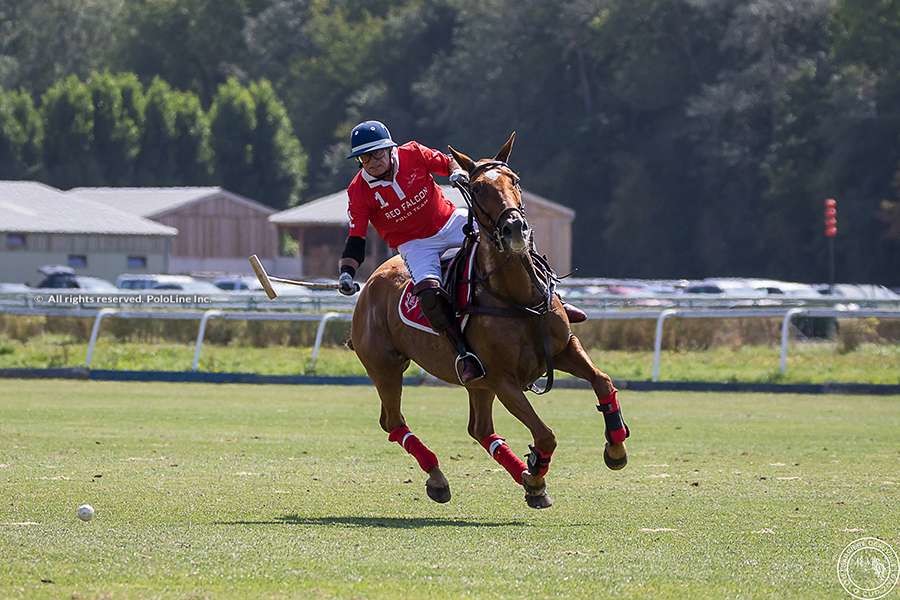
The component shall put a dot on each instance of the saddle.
(456, 277)
(457, 267)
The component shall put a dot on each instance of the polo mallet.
(266, 280)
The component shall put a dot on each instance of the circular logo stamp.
(868, 568)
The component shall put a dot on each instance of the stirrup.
(462, 357)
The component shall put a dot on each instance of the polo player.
(395, 190)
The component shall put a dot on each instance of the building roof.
(332, 209)
(31, 207)
(153, 202)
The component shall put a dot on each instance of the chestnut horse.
(512, 340)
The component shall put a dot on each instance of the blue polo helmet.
(369, 136)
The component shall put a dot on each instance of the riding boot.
(575, 314)
(468, 365)
(437, 309)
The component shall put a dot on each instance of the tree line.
(692, 137)
(110, 131)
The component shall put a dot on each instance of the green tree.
(317, 54)
(233, 123)
(156, 163)
(42, 42)
(68, 117)
(862, 135)
(21, 136)
(193, 152)
(117, 130)
(194, 45)
(278, 157)
(412, 31)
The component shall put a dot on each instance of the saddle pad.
(411, 313)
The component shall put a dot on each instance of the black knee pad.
(432, 298)
(430, 293)
(435, 305)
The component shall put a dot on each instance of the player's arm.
(442, 164)
(354, 254)
(355, 248)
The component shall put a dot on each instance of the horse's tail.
(349, 343)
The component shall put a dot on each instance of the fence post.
(785, 330)
(657, 341)
(320, 333)
(95, 331)
(201, 333)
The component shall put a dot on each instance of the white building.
(40, 225)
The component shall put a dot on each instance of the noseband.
(494, 233)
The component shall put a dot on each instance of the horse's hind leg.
(544, 444)
(388, 379)
(575, 360)
(481, 428)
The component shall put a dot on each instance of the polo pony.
(516, 324)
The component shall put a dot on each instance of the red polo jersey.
(411, 206)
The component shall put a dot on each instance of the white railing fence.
(660, 316)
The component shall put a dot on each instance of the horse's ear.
(464, 161)
(503, 155)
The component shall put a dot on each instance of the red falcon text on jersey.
(411, 206)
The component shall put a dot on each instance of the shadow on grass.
(386, 522)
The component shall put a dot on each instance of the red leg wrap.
(425, 457)
(500, 451)
(616, 430)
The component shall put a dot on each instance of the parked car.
(185, 283)
(725, 287)
(858, 291)
(784, 288)
(61, 277)
(237, 283)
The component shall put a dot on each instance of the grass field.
(808, 362)
(278, 491)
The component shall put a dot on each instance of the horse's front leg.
(481, 428)
(573, 359)
(538, 462)
(389, 383)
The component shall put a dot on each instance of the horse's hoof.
(441, 495)
(614, 463)
(536, 495)
(539, 501)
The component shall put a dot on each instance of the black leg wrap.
(537, 464)
(615, 422)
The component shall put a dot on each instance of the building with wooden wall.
(320, 228)
(41, 225)
(217, 229)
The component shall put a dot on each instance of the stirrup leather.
(462, 357)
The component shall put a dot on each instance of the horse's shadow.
(384, 522)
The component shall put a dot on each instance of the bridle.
(542, 276)
(493, 232)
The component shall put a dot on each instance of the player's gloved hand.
(459, 176)
(346, 285)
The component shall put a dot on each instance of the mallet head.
(262, 276)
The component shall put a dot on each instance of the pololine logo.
(868, 568)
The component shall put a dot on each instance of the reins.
(543, 277)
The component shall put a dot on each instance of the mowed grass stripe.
(278, 491)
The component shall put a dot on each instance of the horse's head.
(497, 199)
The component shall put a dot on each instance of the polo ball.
(85, 512)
